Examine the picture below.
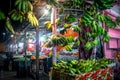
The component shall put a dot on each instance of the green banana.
(86, 19)
(88, 16)
(94, 26)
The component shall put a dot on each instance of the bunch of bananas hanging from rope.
(9, 26)
(24, 5)
(2, 16)
(24, 11)
(32, 19)
(104, 4)
(16, 15)
(86, 19)
(63, 41)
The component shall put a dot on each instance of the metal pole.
(37, 53)
(53, 18)
(25, 46)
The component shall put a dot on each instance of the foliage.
(81, 66)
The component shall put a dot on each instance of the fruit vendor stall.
(77, 40)
(91, 33)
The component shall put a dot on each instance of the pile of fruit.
(81, 66)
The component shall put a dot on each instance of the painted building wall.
(112, 47)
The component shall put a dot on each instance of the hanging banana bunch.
(69, 18)
(57, 21)
(66, 25)
(54, 39)
(17, 15)
(32, 19)
(48, 25)
(9, 26)
(104, 4)
(24, 5)
(53, 2)
(106, 37)
(2, 16)
(86, 19)
(76, 29)
(100, 17)
(118, 20)
(67, 47)
(69, 39)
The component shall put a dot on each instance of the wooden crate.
(102, 74)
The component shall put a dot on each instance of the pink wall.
(114, 42)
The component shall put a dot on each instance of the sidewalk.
(6, 75)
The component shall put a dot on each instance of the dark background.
(5, 6)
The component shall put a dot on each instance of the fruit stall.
(77, 40)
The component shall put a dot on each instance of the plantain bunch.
(32, 19)
(48, 25)
(103, 4)
(58, 40)
(86, 19)
(81, 66)
(17, 15)
(9, 26)
(24, 5)
(53, 2)
(2, 16)
(76, 29)
(62, 41)
(69, 18)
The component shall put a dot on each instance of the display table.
(44, 66)
(101, 74)
(33, 63)
(22, 70)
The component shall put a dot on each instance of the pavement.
(8, 75)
